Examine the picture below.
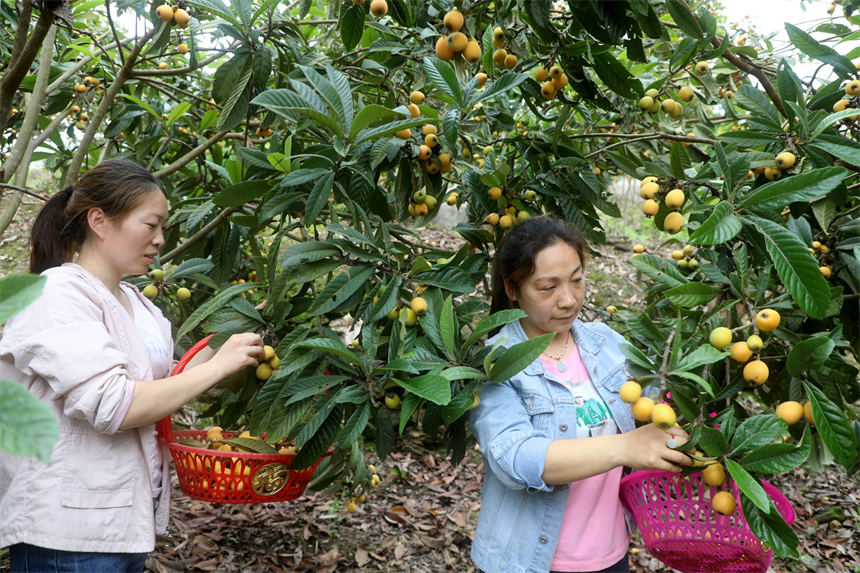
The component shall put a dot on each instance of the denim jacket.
(514, 423)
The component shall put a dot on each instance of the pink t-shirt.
(593, 534)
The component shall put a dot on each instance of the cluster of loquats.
(685, 258)
(850, 101)
(651, 103)
(510, 216)
(168, 13)
(269, 364)
(822, 252)
(352, 502)
(551, 82)
(501, 57)
(454, 42)
(653, 191)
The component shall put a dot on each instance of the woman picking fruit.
(556, 436)
(98, 353)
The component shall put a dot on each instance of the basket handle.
(164, 426)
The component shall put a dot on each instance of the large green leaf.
(616, 76)
(809, 354)
(810, 46)
(190, 267)
(749, 486)
(203, 311)
(318, 197)
(288, 103)
(453, 279)
(492, 322)
(443, 77)
(340, 289)
(518, 356)
(329, 346)
(505, 83)
(235, 109)
(368, 115)
(692, 294)
(757, 431)
(302, 253)
(704, 354)
(355, 425)
(241, 193)
(840, 147)
(796, 267)
(18, 291)
(804, 187)
(720, 227)
(770, 527)
(387, 299)
(685, 19)
(447, 325)
(757, 102)
(778, 458)
(433, 387)
(352, 25)
(27, 426)
(832, 426)
(338, 98)
(659, 269)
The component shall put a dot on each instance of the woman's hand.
(238, 352)
(647, 447)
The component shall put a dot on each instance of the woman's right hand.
(238, 352)
(647, 448)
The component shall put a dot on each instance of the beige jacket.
(77, 350)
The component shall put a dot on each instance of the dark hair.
(116, 187)
(515, 256)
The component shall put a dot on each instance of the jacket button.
(563, 427)
(543, 539)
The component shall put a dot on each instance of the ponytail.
(53, 238)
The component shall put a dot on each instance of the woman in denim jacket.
(556, 436)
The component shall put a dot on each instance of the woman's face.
(552, 295)
(132, 242)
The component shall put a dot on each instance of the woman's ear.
(510, 291)
(96, 219)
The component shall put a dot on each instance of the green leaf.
(354, 426)
(713, 441)
(235, 108)
(318, 197)
(310, 271)
(369, 115)
(447, 326)
(616, 76)
(301, 388)
(329, 346)
(706, 386)
(190, 267)
(636, 356)
(770, 528)
(809, 46)
(757, 431)
(749, 486)
(142, 104)
(18, 291)
(720, 227)
(352, 25)
(540, 19)
(302, 253)
(752, 99)
(387, 299)
(659, 269)
(685, 19)
(338, 98)
(240, 194)
(778, 458)
(704, 354)
(505, 83)
(203, 311)
(809, 354)
(829, 120)
(840, 147)
(432, 387)
(492, 322)
(692, 294)
(388, 129)
(796, 267)
(518, 356)
(462, 373)
(317, 444)
(453, 279)
(27, 426)
(178, 112)
(286, 102)
(804, 187)
(443, 77)
(832, 426)
(340, 289)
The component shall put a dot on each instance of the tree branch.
(188, 157)
(201, 234)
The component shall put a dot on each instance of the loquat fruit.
(673, 222)
(663, 416)
(183, 293)
(756, 372)
(472, 53)
(457, 42)
(789, 411)
(630, 391)
(649, 190)
(650, 207)
(453, 20)
(498, 37)
(642, 409)
(740, 351)
(785, 160)
(686, 94)
(499, 56)
(852, 88)
(674, 199)
(181, 17)
(510, 61)
(807, 413)
(724, 503)
(720, 337)
(767, 319)
(547, 90)
(443, 52)
(702, 68)
(714, 474)
(541, 74)
(164, 12)
(379, 8)
(638, 249)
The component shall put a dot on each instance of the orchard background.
(305, 145)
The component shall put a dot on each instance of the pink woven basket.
(681, 529)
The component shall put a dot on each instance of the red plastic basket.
(682, 530)
(230, 477)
